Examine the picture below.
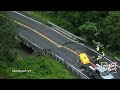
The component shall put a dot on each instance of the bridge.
(57, 42)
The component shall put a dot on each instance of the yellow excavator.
(94, 69)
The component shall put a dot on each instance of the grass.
(39, 16)
(42, 67)
(113, 54)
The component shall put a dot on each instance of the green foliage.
(101, 26)
(2, 20)
(88, 30)
(111, 30)
(7, 39)
(43, 67)
(106, 22)
(86, 24)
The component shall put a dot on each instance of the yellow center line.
(42, 35)
(71, 50)
(36, 32)
(45, 37)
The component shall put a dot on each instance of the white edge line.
(57, 56)
(60, 34)
(74, 67)
(29, 40)
(42, 24)
(78, 70)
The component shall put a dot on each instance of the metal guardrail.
(59, 29)
(74, 37)
(65, 32)
(117, 58)
(41, 51)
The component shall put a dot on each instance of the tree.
(7, 39)
(112, 28)
(88, 30)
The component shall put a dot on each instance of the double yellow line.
(45, 37)
(40, 34)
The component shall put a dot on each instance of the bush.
(7, 39)
(43, 67)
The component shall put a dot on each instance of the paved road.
(47, 38)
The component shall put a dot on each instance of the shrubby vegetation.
(7, 39)
(42, 67)
(101, 26)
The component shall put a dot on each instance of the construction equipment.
(95, 70)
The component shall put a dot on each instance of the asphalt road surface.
(47, 38)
